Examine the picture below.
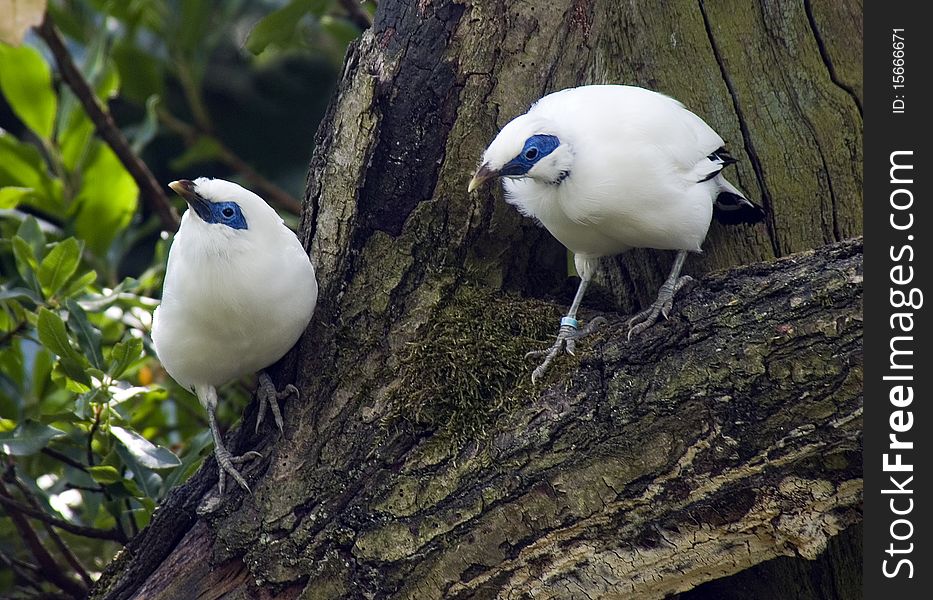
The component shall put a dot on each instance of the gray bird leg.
(225, 461)
(567, 335)
(267, 394)
(665, 301)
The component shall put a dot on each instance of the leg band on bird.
(568, 334)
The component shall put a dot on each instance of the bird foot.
(228, 466)
(661, 307)
(270, 396)
(567, 338)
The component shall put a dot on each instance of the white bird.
(607, 168)
(239, 291)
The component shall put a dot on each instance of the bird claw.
(227, 466)
(566, 340)
(661, 307)
(270, 396)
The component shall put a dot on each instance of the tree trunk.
(421, 462)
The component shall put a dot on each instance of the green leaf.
(84, 400)
(41, 372)
(88, 335)
(75, 138)
(147, 130)
(191, 459)
(144, 478)
(124, 488)
(30, 231)
(53, 335)
(78, 381)
(123, 355)
(19, 16)
(107, 83)
(342, 30)
(25, 257)
(142, 72)
(22, 165)
(19, 294)
(189, 29)
(105, 474)
(28, 438)
(79, 285)
(59, 265)
(26, 83)
(11, 196)
(106, 201)
(144, 451)
(279, 27)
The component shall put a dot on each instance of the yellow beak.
(482, 175)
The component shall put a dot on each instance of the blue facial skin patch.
(229, 214)
(221, 213)
(536, 147)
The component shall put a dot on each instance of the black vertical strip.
(898, 393)
(418, 107)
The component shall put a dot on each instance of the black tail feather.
(732, 209)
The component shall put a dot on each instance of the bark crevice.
(824, 53)
(746, 134)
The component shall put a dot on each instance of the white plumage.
(607, 168)
(239, 291)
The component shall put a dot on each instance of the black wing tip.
(722, 155)
(733, 209)
(722, 159)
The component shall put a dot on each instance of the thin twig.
(64, 458)
(269, 190)
(90, 435)
(70, 557)
(22, 569)
(9, 335)
(149, 189)
(85, 488)
(357, 13)
(51, 569)
(90, 461)
(13, 506)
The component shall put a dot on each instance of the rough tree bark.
(420, 461)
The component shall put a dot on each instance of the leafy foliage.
(92, 432)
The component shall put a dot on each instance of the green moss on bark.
(469, 365)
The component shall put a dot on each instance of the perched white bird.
(239, 291)
(607, 168)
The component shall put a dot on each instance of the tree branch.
(66, 552)
(25, 571)
(64, 458)
(99, 534)
(689, 454)
(149, 188)
(50, 568)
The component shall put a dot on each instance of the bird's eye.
(531, 153)
(227, 212)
